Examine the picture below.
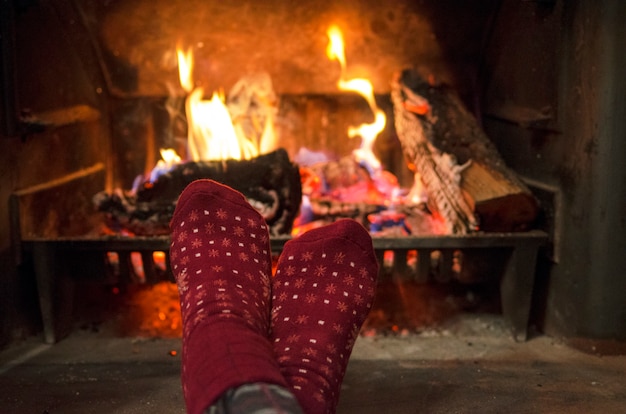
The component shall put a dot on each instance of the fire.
(211, 134)
(335, 49)
(185, 67)
(367, 132)
(169, 158)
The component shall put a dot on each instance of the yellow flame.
(367, 132)
(185, 67)
(211, 135)
(335, 49)
(169, 157)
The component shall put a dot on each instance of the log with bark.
(270, 182)
(467, 181)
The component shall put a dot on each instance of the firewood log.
(270, 182)
(467, 180)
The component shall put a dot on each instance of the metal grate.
(423, 259)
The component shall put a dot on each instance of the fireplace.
(88, 98)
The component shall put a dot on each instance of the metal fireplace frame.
(55, 262)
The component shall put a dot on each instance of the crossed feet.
(242, 325)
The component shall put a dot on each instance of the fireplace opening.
(460, 119)
(305, 155)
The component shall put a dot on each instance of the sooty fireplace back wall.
(82, 80)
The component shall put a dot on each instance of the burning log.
(467, 181)
(270, 182)
(342, 188)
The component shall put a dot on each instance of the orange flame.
(185, 67)
(211, 135)
(368, 132)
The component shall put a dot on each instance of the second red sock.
(322, 292)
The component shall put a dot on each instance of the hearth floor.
(469, 366)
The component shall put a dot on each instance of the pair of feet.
(241, 325)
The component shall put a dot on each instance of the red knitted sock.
(323, 290)
(220, 256)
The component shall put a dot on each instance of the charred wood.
(270, 182)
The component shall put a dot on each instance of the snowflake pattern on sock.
(322, 292)
(220, 257)
(222, 265)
